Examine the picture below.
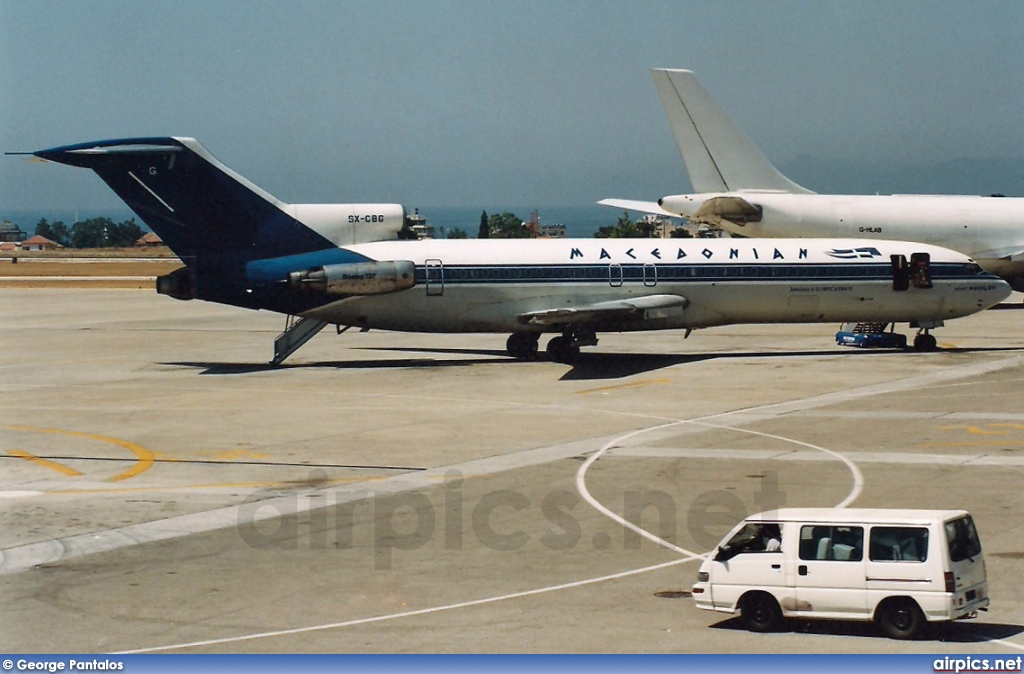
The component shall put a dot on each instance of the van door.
(966, 561)
(744, 563)
(829, 578)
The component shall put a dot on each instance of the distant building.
(149, 240)
(11, 233)
(553, 231)
(39, 243)
(418, 224)
(546, 231)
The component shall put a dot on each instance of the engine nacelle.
(179, 284)
(348, 224)
(357, 278)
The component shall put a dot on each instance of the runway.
(163, 489)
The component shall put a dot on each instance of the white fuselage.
(988, 229)
(489, 285)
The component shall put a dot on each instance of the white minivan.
(899, 568)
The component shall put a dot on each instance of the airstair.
(297, 331)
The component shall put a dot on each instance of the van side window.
(898, 544)
(832, 543)
(963, 539)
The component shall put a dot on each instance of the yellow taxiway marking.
(145, 457)
(632, 384)
(977, 430)
(979, 443)
(45, 463)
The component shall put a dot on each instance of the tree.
(91, 233)
(457, 233)
(485, 228)
(100, 233)
(624, 228)
(124, 234)
(43, 228)
(507, 226)
(61, 233)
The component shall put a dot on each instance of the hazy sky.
(495, 103)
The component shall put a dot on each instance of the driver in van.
(771, 537)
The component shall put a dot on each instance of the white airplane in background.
(738, 190)
(327, 264)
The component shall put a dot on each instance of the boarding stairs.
(297, 331)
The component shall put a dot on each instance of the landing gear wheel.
(560, 350)
(900, 618)
(760, 612)
(924, 342)
(522, 345)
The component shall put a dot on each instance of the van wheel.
(760, 612)
(900, 618)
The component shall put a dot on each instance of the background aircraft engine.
(357, 278)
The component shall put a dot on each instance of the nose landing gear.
(924, 341)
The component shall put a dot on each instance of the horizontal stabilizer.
(641, 206)
(646, 307)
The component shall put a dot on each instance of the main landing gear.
(564, 348)
(924, 341)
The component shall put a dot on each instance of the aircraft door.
(434, 277)
(650, 275)
(615, 275)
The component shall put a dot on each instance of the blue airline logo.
(854, 253)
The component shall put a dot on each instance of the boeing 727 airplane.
(740, 191)
(327, 264)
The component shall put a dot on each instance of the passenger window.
(898, 544)
(831, 543)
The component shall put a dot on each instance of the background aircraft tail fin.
(719, 157)
(209, 215)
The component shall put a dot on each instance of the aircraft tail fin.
(209, 215)
(719, 157)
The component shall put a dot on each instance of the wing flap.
(644, 308)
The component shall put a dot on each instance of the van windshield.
(962, 538)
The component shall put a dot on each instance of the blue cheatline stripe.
(669, 273)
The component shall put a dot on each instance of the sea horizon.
(580, 221)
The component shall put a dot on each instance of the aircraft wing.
(641, 206)
(1012, 253)
(645, 307)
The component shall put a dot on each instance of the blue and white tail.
(209, 215)
(719, 157)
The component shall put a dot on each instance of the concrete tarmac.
(163, 489)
